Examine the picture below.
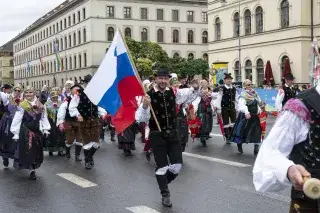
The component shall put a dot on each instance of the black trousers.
(228, 114)
(168, 157)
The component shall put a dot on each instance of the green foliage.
(144, 67)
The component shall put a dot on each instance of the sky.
(16, 15)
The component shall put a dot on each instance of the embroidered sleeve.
(297, 107)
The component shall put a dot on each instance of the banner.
(266, 95)
(219, 69)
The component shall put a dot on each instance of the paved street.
(214, 180)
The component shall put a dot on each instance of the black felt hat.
(289, 76)
(163, 72)
(87, 78)
(227, 76)
(7, 86)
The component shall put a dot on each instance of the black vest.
(164, 106)
(229, 97)
(307, 153)
(253, 107)
(68, 117)
(288, 94)
(86, 108)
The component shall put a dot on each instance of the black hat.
(289, 76)
(74, 86)
(7, 86)
(221, 82)
(87, 78)
(227, 76)
(164, 72)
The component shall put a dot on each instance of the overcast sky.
(16, 15)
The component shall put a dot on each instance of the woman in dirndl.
(7, 145)
(29, 126)
(56, 140)
(247, 128)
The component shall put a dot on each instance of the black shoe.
(113, 139)
(256, 149)
(166, 201)
(87, 163)
(5, 162)
(148, 155)
(128, 153)
(50, 153)
(77, 153)
(78, 158)
(68, 155)
(204, 142)
(61, 152)
(32, 175)
(91, 153)
(240, 150)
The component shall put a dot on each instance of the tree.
(144, 66)
(191, 68)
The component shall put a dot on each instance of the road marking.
(274, 196)
(217, 160)
(77, 180)
(216, 135)
(141, 209)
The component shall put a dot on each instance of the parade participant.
(286, 92)
(4, 98)
(89, 125)
(247, 128)
(183, 82)
(69, 126)
(165, 143)
(290, 152)
(226, 105)
(126, 139)
(56, 140)
(67, 89)
(7, 145)
(203, 109)
(29, 125)
(44, 94)
(263, 115)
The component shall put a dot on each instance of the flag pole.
(139, 79)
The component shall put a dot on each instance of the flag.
(115, 85)
(57, 56)
(28, 67)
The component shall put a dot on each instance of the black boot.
(77, 153)
(164, 190)
(256, 149)
(113, 134)
(61, 152)
(86, 159)
(32, 175)
(68, 155)
(5, 162)
(50, 153)
(204, 142)
(170, 176)
(91, 153)
(227, 135)
(240, 150)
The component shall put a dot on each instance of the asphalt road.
(215, 179)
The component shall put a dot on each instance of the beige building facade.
(272, 30)
(79, 31)
(6, 64)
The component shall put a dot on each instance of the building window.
(285, 13)
(175, 36)
(74, 39)
(57, 26)
(65, 23)
(110, 33)
(61, 26)
(110, 11)
(236, 24)
(204, 17)
(69, 21)
(190, 16)
(65, 42)
(217, 29)
(247, 22)
(61, 43)
(85, 59)
(160, 35)
(175, 15)
(283, 61)
(66, 65)
(84, 13)
(127, 32)
(70, 41)
(80, 61)
(160, 14)
(248, 70)
(205, 57)
(176, 55)
(144, 34)
(259, 20)
(84, 35)
(260, 72)
(127, 12)
(190, 56)
(79, 16)
(205, 37)
(237, 72)
(190, 37)
(79, 37)
(73, 18)
(75, 62)
(144, 13)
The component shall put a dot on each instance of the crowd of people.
(57, 119)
